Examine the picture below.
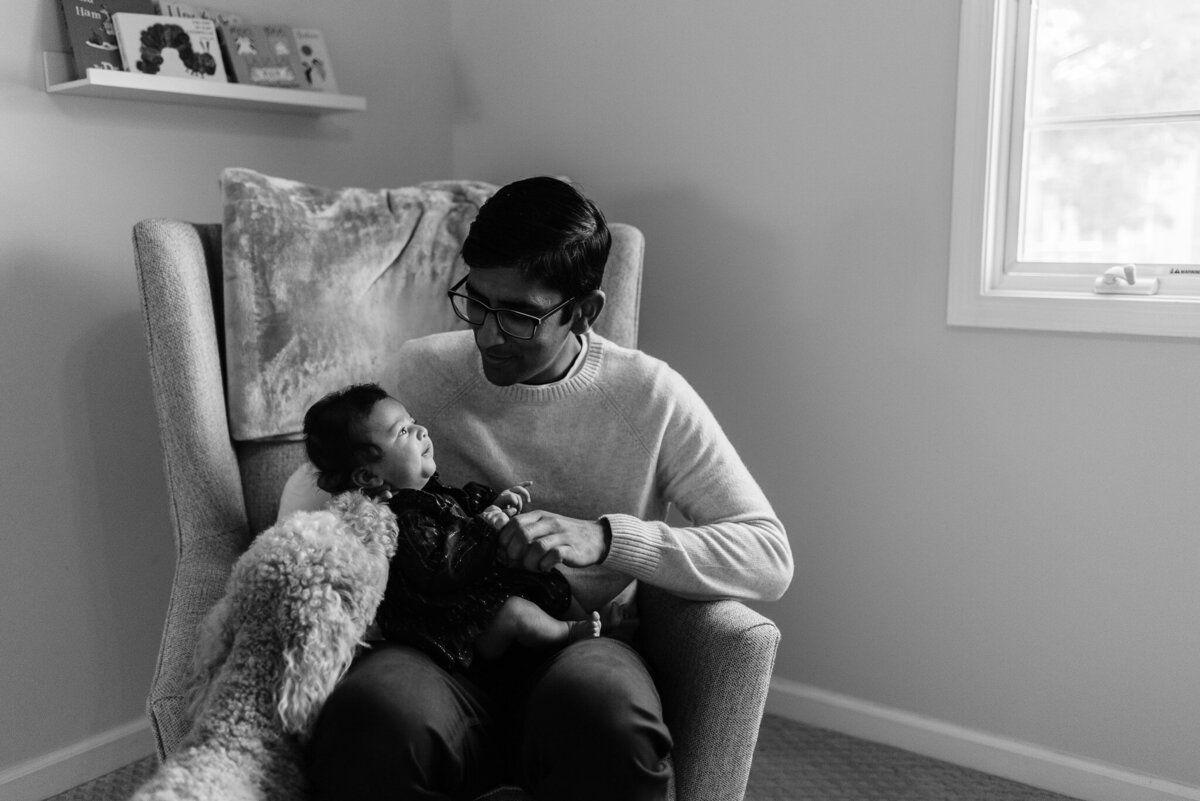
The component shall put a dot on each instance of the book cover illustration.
(316, 69)
(264, 55)
(217, 15)
(177, 47)
(92, 34)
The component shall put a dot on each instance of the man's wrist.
(633, 549)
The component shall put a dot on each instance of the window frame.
(986, 187)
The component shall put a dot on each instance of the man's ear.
(364, 479)
(587, 309)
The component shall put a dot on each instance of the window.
(1077, 152)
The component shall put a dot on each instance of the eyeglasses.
(515, 324)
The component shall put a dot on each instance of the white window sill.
(1077, 311)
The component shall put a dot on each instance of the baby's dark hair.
(333, 435)
(546, 229)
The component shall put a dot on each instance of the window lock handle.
(1122, 279)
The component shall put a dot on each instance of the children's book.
(217, 15)
(92, 34)
(316, 69)
(177, 47)
(264, 55)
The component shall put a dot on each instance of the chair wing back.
(622, 286)
(207, 509)
(221, 492)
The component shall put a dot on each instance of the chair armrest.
(712, 663)
(207, 508)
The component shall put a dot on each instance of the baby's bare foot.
(584, 629)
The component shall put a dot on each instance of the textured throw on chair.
(322, 284)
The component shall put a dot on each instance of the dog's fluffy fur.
(296, 607)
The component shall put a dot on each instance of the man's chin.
(501, 374)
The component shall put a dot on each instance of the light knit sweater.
(622, 437)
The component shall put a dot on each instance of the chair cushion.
(321, 285)
(265, 466)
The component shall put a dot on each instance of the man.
(609, 437)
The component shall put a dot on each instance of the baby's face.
(407, 460)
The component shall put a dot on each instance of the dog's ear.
(317, 653)
(371, 521)
(323, 619)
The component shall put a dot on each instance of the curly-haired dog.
(296, 607)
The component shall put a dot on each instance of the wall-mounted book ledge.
(187, 91)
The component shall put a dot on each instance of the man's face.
(507, 360)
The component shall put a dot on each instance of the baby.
(447, 593)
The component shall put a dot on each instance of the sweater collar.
(579, 378)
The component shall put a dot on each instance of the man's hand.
(537, 541)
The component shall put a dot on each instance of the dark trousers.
(583, 723)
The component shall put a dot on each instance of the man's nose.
(489, 332)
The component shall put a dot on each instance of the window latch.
(1122, 279)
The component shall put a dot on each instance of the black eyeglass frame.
(537, 319)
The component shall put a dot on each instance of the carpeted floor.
(115, 786)
(792, 762)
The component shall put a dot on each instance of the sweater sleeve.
(734, 546)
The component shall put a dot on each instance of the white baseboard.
(1011, 759)
(68, 767)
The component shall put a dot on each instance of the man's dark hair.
(546, 229)
(333, 435)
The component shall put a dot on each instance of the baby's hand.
(513, 499)
(495, 517)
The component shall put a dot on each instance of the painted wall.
(994, 529)
(85, 547)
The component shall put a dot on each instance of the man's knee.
(392, 693)
(595, 712)
(397, 726)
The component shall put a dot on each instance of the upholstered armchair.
(713, 659)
